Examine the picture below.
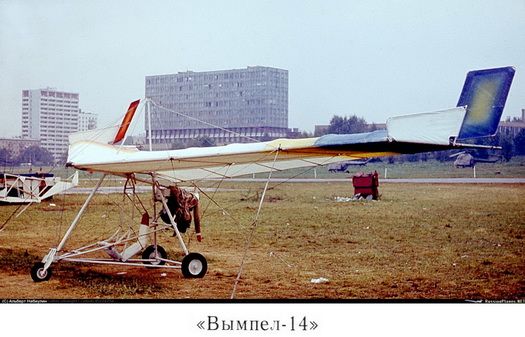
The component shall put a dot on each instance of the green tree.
(6, 158)
(519, 143)
(35, 155)
(345, 125)
(442, 156)
(301, 134)
(306, 134)
(507, 146)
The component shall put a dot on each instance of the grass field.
(418, 242)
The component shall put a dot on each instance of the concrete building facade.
(50, 116)
(512, 127)
(87, 120)
(251, 102)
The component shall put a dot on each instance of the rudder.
(484, 93)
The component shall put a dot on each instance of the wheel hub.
(195, 267)
(42, 273)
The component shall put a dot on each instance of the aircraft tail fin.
(126, 121)
(484, 94)
(108, 135)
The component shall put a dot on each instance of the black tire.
(38, 274)
(149, 253)
(194, 265)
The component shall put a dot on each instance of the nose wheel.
(39, 273)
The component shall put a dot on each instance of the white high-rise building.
(86, 121)
(50, 116)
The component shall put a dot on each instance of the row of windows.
(224, 107)
(221, 114)
(171, 87)
(72, 101)
(47, 93)
(226, 92)
(246, 131)
(237, 98)
(49, 134)
(63, 115)
(260, 88)
(60, 111)
(59, 129)
(54, 144)
(59, 94)
(230, 75)
(70, 106)
(58, 119)
(58, 139)
(245, 122)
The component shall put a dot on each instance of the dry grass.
(418, 242)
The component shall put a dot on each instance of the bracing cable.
(253, 227)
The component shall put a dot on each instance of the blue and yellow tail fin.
(484, 94)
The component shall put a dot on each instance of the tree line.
(35, 155)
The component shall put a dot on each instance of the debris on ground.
(319, 280)
(357, 197)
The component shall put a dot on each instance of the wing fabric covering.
(477, 114)
(240, 159)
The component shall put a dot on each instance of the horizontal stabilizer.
(426, 128)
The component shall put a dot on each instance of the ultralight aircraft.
(477, 114)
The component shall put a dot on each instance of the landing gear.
(152, 253)
(194, 265)
(39, 274)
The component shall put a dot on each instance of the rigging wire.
(216, 189)
(203, 122)
(158, 120)
(2, 227)
(303, 172)
(254, 226)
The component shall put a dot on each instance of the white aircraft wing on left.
(30, 188)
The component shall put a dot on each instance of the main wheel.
(38, 274)
(194, 265)
(149, 254)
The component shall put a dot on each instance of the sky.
(374, 59)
